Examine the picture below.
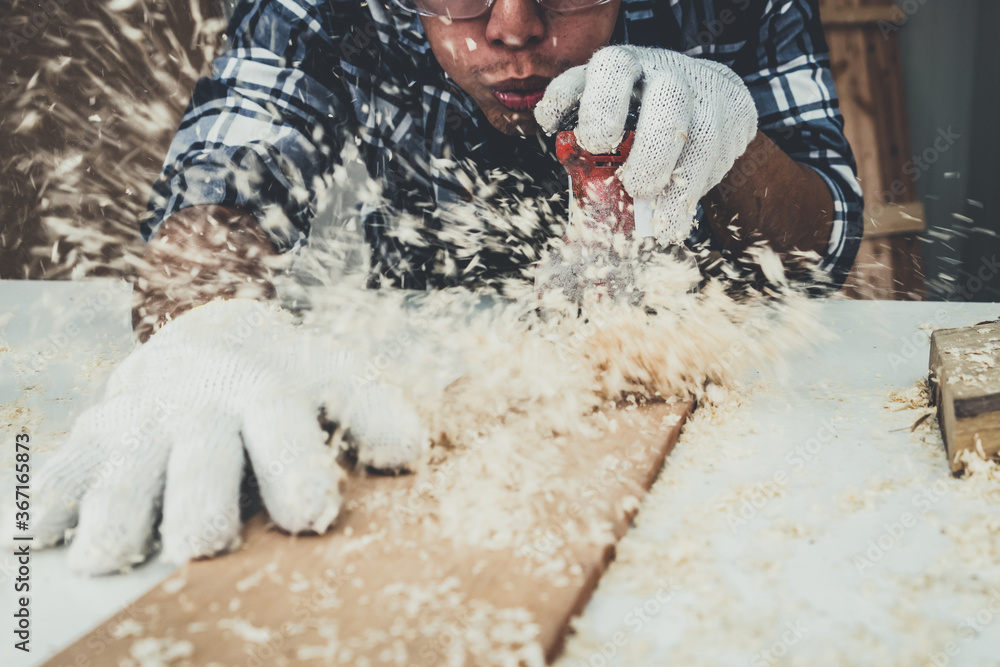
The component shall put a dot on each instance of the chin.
(515, 123)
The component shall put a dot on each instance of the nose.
(515, 24)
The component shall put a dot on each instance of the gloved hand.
(695, 118)
(175, 420)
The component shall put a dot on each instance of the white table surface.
(786, 582)
(726, 569)
(63, 338)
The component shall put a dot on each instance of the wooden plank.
(965, 374)
(892, 129)
(866, 70)
(858, 106)
(892, 219)
(393, 583)
(860, 16)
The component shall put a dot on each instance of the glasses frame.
(487, 6)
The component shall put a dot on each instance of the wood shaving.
(153, 652)
(800, 552)
(245, 630)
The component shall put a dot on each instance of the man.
(416, 81)
(430, 90)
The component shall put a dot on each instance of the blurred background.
(93, 91)
(919, 81)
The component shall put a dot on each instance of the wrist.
(767, 196)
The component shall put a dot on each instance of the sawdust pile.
(533, 369)
(523, 370)
(90, 196)
(837, 587)
(530, 369)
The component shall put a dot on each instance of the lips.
(520, 94)
(519, 100)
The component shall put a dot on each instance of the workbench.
(798, 521)
(802, 522)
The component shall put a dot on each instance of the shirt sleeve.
(790, 80)
(267, 124)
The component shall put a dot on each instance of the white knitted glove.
(174, 423)
(695, 118)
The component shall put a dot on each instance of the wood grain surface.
(406, 576)
(966, 381)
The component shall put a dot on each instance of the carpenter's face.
(505, 58)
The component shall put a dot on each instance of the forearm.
(767, 196)
(198, 254)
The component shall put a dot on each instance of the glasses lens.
(569, 6)
(453, 9)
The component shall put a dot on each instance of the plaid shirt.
(301, 77)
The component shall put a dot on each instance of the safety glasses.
(470, 9)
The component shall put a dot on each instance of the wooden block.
(393, 583)
(965, 374)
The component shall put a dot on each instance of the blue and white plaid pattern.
(303, 76)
